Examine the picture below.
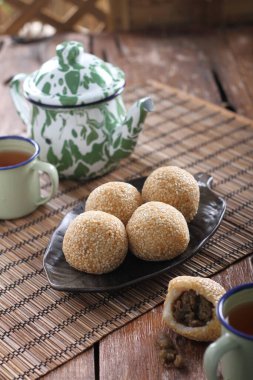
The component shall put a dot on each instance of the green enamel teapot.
(72, 107)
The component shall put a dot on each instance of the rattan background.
(41, 328)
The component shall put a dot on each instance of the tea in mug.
(241, 318)
(13, 157)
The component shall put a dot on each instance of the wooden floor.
(216, 66)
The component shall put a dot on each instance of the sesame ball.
(157, 231)
(174, 186)
(95, 242)
(116, 198)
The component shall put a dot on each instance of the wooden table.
(216, 66)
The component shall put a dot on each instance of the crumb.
(169, 351)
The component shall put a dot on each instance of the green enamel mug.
(20, 168)
(234, 349)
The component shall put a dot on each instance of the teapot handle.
(22, 106)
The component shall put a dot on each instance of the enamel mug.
(20, 190)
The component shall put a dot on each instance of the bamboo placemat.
(41, 328)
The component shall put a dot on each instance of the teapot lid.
(73, 78)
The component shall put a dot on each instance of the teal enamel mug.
(234, 349)
(20, 168)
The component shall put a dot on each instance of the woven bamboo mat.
(41, 328)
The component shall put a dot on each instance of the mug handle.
(22, 106)
(214, 352)
(53, 175)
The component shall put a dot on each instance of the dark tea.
(241, 318)
(13, 157)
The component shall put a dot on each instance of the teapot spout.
(145, 105)
(125, 137)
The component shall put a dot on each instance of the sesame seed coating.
(157, 231)
(175, 186)
(95, 242)
(205, 287)
(116, 198)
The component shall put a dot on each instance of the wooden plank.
(81, 367)
(214, 107)
(237, 11)
(105, 46)
(115, 14)
(241, 45)
(11, 64)
(119, 15)
(163, 14)
(131, 353)
(231, 56)
(179, 61)
(189, 15)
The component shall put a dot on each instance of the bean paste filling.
(192, 309)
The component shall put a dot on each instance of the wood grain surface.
(217, 67)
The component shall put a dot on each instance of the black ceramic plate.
(62, 276)
(27, 40)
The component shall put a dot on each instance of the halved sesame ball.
(117, 198)
(175, 186)
(95, 242)
(189, 307)
(157, 231)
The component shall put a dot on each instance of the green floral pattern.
(73, 77)
(90, 141)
